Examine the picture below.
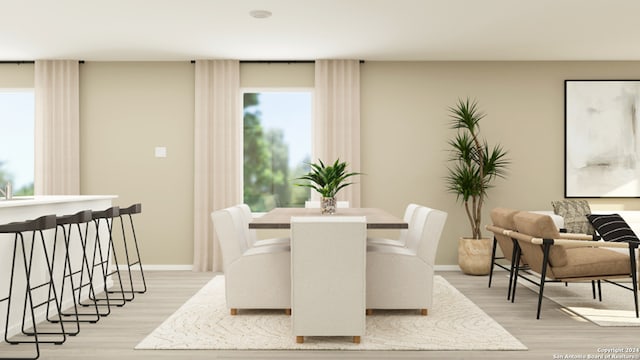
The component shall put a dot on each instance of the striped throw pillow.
(612, 227)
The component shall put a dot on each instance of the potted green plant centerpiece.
(474, 167)
(327, 181)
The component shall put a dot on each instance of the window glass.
(277, 148)
(17, 140)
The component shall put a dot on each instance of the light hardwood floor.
(557, 333)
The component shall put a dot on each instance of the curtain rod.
(18, 62)
(272, 61)
(277, 61)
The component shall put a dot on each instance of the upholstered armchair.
(245, 217)
(402, 238)
(503, 224)
(402, 277)
(558, 259)
(255, 277)
(502, 219)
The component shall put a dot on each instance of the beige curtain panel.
(218, 153)
(57, 127)
(336, 129)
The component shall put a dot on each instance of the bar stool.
(129, 211)
(65, 224)
(36, 226)
(103, 261)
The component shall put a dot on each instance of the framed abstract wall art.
(602, 138)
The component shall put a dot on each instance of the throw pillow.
(612, 227)
(575, 214)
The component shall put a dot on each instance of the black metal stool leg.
(66, 224)
(28, 294)
(130, 291)
(36, 228)
(105, 264)
(52, 293)
(131, 263)
(65, 265)
(97, 261)
(94, 315)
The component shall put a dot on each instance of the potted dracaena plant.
(327, 181)
(474, 167)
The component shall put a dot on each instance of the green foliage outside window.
(267, 176)
(6, 176)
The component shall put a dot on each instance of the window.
(277, 147)
(17, 139)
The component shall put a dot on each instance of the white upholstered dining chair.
(402, 277)
(255, 277)
(250, 234)
(402, 239)
(328, 255)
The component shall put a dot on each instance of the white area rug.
(616, 309)
(454, 323)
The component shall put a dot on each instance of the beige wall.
(405, 132)
(16, 76)
(128, 108)
(283, 75)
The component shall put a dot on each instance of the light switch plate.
(161, 152)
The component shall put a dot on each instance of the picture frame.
(602, 138)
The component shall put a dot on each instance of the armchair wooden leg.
(300, 339)
(423, 312)
(287, 311)
(369, 312)
(233, 311)
(356, 339)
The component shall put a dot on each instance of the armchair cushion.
(503, 218)
(575, 214)
(544, 227)
(587, 262)
(612, 227)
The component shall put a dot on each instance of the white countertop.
(32, 207)
(50, 199)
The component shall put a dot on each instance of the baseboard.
(160, 267)
(173, 267)
(457, 268)
(446, 268)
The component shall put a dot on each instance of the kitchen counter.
(31, 207)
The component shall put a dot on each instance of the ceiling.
(109, 30)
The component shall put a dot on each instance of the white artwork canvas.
(602, 138)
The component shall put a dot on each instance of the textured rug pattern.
(616, 309)
(454, 323)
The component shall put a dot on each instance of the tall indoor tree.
(475, 165)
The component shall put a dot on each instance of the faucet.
(7, 191)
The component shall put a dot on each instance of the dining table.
(280, 218)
